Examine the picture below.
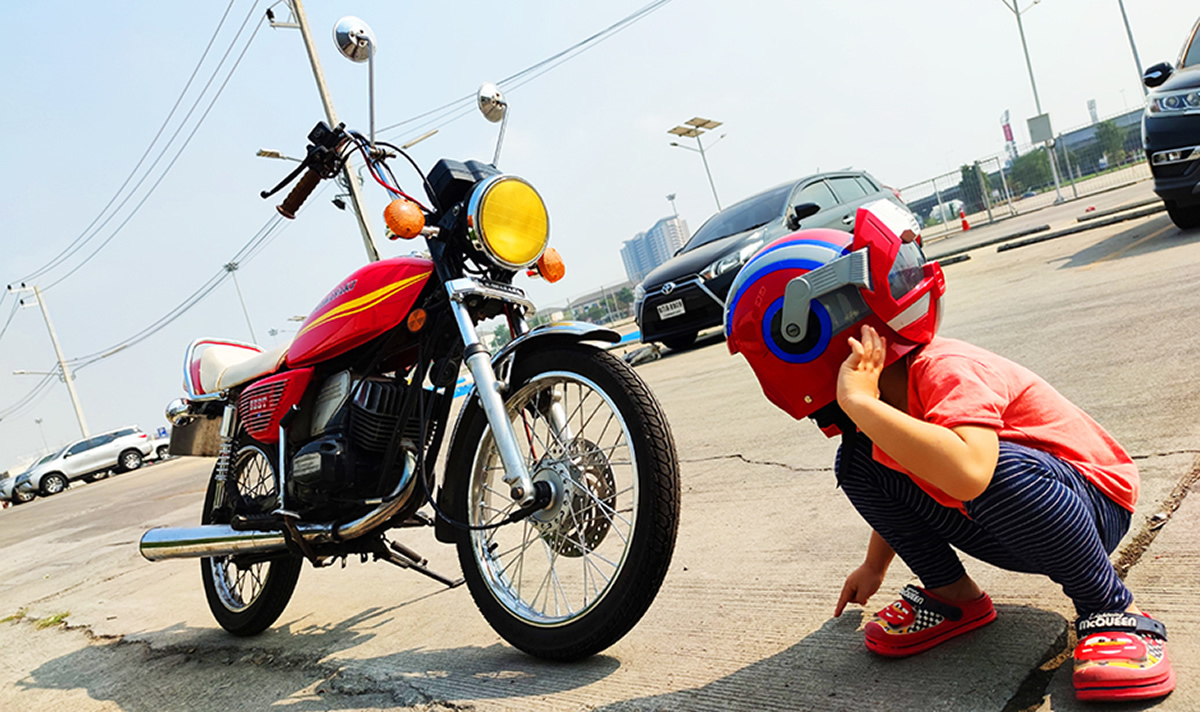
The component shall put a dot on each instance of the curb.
(989, 243)
(1082, 228)
(1114, 211)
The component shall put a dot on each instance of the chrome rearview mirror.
(356, 42)
(354, 39)
(494, 108)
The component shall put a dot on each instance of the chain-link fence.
(1088, 159)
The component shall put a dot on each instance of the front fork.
(479, 363)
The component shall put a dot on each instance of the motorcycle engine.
(353, 420)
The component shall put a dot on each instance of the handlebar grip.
(299, 194)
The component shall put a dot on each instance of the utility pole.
(62, 362)
(232, 269)
(355, 190)
(1036, 101)
(1136, 60)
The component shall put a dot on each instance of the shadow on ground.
(832, 670)
(206, 669)
(1125, 243)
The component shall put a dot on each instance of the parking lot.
(744, 619)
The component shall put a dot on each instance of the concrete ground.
(744, 620)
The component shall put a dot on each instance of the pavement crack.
(1132, 552)
(748, 461)
(1167, 453)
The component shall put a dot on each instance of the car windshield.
(51, 456)
(746, 215)
(1192, 56)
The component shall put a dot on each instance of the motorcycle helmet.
(792, 306)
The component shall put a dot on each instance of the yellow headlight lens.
(511, 221)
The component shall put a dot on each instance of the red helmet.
(791, 307)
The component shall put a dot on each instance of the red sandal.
(1121, 656)
(919, 620)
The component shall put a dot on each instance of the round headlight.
(508, 221)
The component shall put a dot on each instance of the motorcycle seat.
(220, 365)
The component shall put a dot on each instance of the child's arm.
(959, 460)
(864, 581)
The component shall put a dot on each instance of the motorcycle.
(560, 488)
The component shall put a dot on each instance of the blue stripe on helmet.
(810, 355)
(752, 275)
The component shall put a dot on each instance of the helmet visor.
(907, 271)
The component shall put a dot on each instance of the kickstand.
(404, 557)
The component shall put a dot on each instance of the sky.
(906, 90)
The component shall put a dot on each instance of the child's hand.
(859, 374)
(860, 585)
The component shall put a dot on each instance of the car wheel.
(19, 497)
(1185, 218)
(130, 460)
(681, 342)
(162, 452)
(52, 483)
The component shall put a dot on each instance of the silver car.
(10, 493)
(88, 460)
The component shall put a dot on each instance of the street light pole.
(62, 362)
(694, 128)
(1050, 153)
(1136, 60)
(232, 269)
(355, 191)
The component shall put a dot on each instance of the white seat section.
(249, 369)
(222, 365)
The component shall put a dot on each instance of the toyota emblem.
(668, 288)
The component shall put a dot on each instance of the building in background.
(650, 249)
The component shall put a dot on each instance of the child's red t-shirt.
(952, 383)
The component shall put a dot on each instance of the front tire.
(246, 596)
(572, 579)
(19, 497)
(129, 460)
(52, 483)
(1185, 218)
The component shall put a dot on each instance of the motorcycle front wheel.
(247, 596)
(572, 579)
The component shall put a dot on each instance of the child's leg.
(1049, 515)
(1038, 515)
(916, 526)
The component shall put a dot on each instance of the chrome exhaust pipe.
(215, 540)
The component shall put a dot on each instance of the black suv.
(687, 293)
(1171, 133)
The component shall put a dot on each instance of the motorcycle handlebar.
(299, 194)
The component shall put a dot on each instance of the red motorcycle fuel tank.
(374, 299)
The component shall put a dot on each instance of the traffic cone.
(966, 225)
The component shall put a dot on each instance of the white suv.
(88, 460)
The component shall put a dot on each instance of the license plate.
(670, 309)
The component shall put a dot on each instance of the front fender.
(558, 331)
(502, 363)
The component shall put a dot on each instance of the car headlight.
(734, 260)
(508, 222)
(639, 293)
(1175, 102)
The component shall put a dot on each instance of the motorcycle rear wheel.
(571, 580)
(246, 598)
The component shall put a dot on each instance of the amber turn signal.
(416, 320)
(551, 266)
(404, 218)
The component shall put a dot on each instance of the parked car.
(10, 493)
(160, 448)
(88, 460)
(1171, 132)
(687, 293)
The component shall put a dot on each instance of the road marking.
(1117, 253)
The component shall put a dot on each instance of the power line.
(167, 170)
(531, 72)
(24, 400)
(68, 250)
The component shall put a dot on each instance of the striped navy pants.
(1038, 515)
